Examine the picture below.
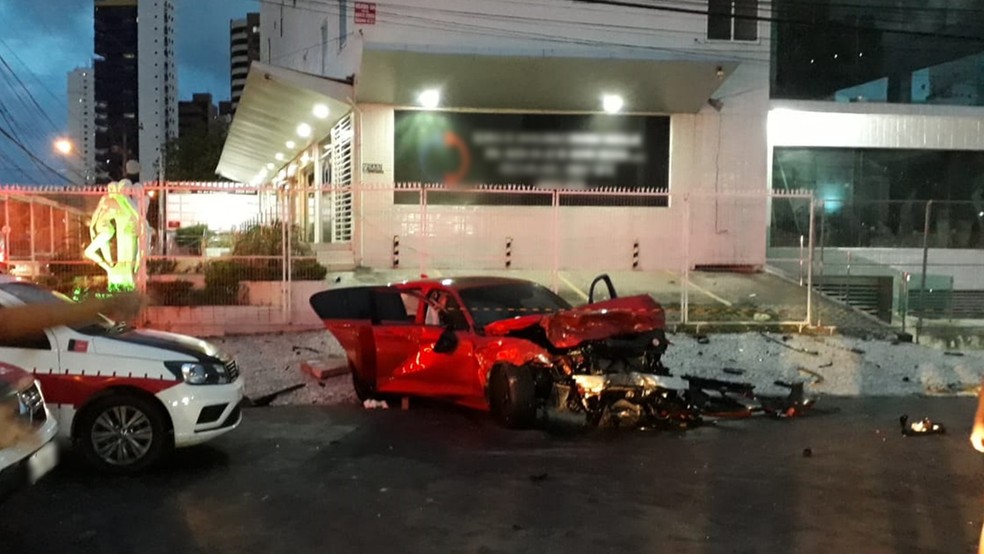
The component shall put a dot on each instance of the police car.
(125, 397)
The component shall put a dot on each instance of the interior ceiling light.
(304, 130)
(320, 111)
(612, 103)
(269, 166)
(290, 144)
(430, 98)
(279, 157)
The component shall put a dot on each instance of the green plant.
(161, 266)
(171, 293)
(222, 282)
(307, 269)
(192, 237)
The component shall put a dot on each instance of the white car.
(125, 397)
(33, 453)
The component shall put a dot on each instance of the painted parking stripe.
(572, 286)
(705, 291)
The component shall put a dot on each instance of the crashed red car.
(513, 347)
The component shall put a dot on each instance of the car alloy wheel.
(123, 432)
(122, 435)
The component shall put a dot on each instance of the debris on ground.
(807, 452)
(925, 426)
(266, 399)
(371, 404)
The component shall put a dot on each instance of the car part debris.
(793, 348)
(807, 452)
(733, 371)
(953, 353)
(371, 404)
(817, 378)
(297, 349)
(266, 399)
(702, 339)
(828, 364)
(925, 426)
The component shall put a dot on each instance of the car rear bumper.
(200, 413)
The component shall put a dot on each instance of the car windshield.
(29, 293)
(495, 302)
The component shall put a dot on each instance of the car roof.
(472, 281)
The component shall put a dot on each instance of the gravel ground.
(833, 365)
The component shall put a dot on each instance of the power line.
(31, 155)
(29, 94)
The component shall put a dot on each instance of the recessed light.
(269, 166)
(304, 130)
(612, 103)
(290, 144)
(430, 98)
(278, 156)
(320, 111)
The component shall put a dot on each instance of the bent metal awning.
(275, 102)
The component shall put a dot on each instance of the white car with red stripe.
(125, 397)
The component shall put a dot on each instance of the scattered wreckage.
(518, 350)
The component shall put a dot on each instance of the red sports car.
(514, 347)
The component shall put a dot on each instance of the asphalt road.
(341, 479)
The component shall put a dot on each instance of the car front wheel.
(123, 433)
(512, 396)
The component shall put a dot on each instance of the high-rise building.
(82, 125)
(244, 39)
(197, 113)
(158, 88)
(115, 87)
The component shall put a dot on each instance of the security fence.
(227, 257)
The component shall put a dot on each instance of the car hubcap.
(122, 435)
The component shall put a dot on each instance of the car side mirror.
(447, 342)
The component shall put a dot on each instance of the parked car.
(27, 431)
(514, 348)
(125, 397)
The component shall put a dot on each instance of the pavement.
(437, 479)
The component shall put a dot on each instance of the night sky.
(43, 41)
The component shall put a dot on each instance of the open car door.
(391, 349)
(351, 314)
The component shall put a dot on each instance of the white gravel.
(842, 366)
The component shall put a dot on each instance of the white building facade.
(729, 101)
(82, 124)
(157, 84)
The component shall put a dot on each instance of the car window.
(495, 302)
(39, 341)
(443, 310)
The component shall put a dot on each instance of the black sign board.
(464, 150)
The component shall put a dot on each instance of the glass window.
(732, 20)
(877, 197)
(867, 51)
(494, 302)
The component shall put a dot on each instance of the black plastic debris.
(702, 339)
(266, 399)
(904, 337)
(807, 452)
(925, 426)
(828, 364)
(734, 371)
(953, 353)
(906, 379)
(538, 477)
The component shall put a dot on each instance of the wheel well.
(109, 391)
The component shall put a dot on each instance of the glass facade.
(878, 197)
(909, 52)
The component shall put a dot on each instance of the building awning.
(274, 103)
(576, 84)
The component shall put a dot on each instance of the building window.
(732, 20)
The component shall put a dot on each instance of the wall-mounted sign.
(548, 151)
(365, 13)
(372, 168)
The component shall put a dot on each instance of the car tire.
(123, 433)
(363, 390)
(512, 396)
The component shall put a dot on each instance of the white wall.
(310, 37)
(221, 211)
(157, 82)
(876, 126)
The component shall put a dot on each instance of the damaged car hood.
(601, 320)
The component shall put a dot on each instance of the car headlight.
(195, 373)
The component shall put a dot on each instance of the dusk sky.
(43, 41)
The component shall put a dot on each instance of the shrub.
(171, 293)
(160, 266)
